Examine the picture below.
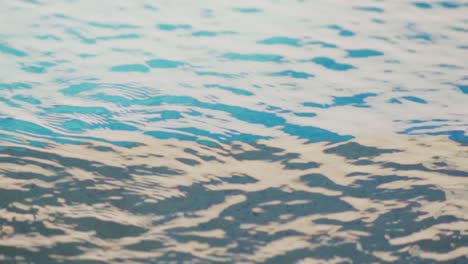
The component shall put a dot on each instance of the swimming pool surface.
(223, 131)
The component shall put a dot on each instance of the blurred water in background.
(233, 131)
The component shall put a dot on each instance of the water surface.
(233, 131)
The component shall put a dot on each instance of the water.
(233, 131)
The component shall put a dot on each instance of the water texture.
(233, 131)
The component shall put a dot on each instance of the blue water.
(233, 131)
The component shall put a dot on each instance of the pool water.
(233, 131)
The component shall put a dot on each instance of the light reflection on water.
(254, 131)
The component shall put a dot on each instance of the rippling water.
(233, 131)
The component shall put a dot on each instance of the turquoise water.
(233, 131)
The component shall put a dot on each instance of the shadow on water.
(243, 202)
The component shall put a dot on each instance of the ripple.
(343, 32)
(253, 57)
(230, 89)
(163, 63)
(294, 74)
(423, 5)
(27, 99)
(75, 89)
(281, 41)
(14, 86)
(363, 53)
(357, 100)
(172, 27)
(6, 49)
(369, 9)
(247, 10)
(463, 88)
(130, 68)
(204, 33)
(332, 64)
